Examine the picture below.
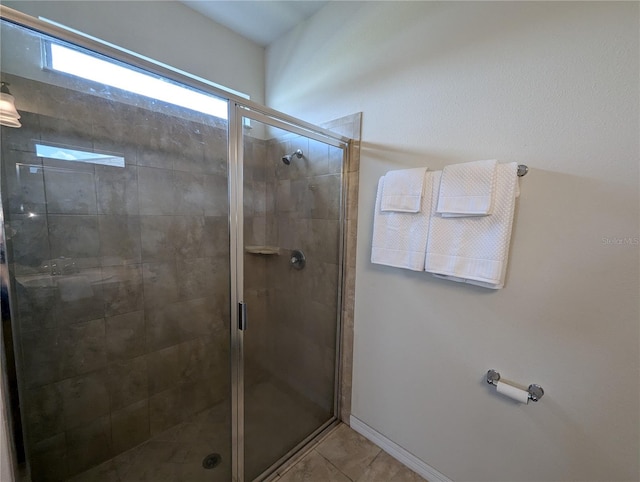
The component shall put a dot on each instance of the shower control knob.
(298, 260)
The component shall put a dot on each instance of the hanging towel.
(467, 189)
(403, 190)
(400, 239)
(475, 249)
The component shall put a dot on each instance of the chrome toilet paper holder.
(535, 391)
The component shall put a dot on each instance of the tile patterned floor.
(276, 418)
(173, 456)
(346, 456)
(342, 456)
(176, 455)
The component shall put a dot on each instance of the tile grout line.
(338, 469)
(334, 466)
(301, 455)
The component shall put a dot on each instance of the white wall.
(166, 31)
(552, 85)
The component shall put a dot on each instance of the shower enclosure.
(174, 286)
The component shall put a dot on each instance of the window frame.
(48, 66)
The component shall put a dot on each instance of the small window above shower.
(71, 61)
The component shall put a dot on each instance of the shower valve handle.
(298, 259)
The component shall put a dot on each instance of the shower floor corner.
(177, 453)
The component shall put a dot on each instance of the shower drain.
(211, 461)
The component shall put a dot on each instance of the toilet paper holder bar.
(535, 391)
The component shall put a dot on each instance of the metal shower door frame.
(238, 111)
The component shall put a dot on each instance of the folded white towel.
(400, 239)
(475, 249)
(467, 189)
(403, 190)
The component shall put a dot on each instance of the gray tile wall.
(121, 275)
(304, 303)
(256, 341)
(293, 207)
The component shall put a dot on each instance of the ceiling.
(261, 21)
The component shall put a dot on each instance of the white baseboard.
(397, 452)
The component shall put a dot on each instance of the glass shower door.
(123, 251)
(115, 210)
(292, 188)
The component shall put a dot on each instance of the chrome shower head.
(287, 159)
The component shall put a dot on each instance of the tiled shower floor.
(273, 416)
(176, 455)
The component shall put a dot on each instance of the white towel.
(467, 189)
(403, 190)
(475, 249)
(400, 239)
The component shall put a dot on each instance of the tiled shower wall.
(303, 212)
(293, 313)
(121, 274)
(303, 304)
(255, 212)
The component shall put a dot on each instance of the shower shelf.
(265, 250)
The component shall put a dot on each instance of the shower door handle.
(242, 316)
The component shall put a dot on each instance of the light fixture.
(8, 114)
